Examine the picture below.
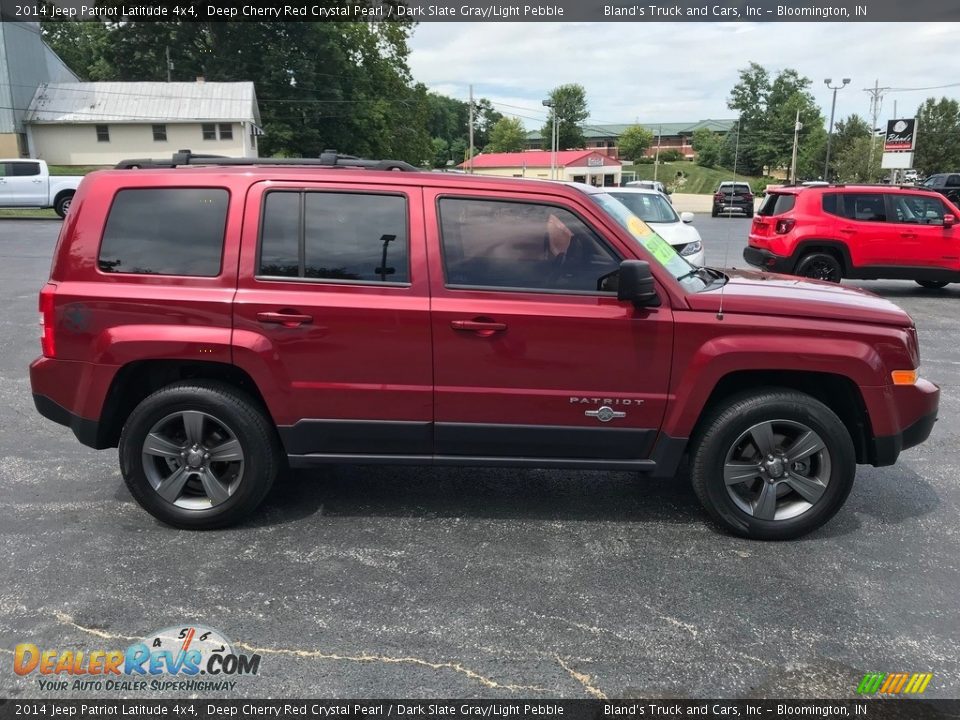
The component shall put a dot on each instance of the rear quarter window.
(165, 231)
(777, 204)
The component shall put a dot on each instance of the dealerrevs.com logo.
(191, 658)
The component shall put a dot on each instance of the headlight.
(692, 248)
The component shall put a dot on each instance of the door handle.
(290, 320)
(36, 182)
(483, 328)
(908, 235)
(847, 231)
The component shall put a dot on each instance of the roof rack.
(328, 158)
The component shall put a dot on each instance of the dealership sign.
(901, 135)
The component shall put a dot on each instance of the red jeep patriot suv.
(218, 323)
(848, 231)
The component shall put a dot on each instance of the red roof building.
(587, 166)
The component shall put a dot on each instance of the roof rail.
(328, 158)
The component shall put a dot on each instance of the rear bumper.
(766, 260)
(919, 403)
(744, 206)
(87, 431)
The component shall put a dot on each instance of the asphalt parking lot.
(416, 582)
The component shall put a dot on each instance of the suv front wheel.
(199, 455)
(772, 464)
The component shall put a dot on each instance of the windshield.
(658, 248)
(648, 207)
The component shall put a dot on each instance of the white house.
(102, 123)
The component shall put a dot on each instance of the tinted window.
(953, 180)
(280, 234)
(736, 188)
(777, 204)
(488, 243)
(866, 207)
(24, 169)
(165, 232)
(335, 236)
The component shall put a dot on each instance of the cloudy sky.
(678, 72)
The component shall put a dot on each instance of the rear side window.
(25, 169)
(335, 236)
(865, 207)
(165, 231)
(777, 204)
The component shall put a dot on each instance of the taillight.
(748, 196)
(718, 195)
(785, 225)
(47, 321)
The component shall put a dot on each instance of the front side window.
(520, 246)
(165, 231)
(209, 131)
(917, 210)
(335, 236)
(159, 133)
(103, 133)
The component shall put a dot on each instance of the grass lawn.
(75, 169)
(10, 213)
(698, 180)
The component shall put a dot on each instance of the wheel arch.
(838, 249)
(837, 392)
(136, 380)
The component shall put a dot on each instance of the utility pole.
(833, 107)
(554, 138)
(876, 98)
(656, 160)
(169, 64)
(470, 160)
(796, 137)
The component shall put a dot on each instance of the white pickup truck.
(28, 184)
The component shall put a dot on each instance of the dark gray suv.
(732, 197)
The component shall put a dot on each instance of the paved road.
(408, 582)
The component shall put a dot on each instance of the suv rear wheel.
(932, 284)
(819, 266)
(772, 464)
(199, 455)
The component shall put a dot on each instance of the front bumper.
(917, 406)
(766, 260)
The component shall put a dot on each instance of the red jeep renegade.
(849, 231)
(217, 323)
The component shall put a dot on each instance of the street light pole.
(833, 107)
(554, 139)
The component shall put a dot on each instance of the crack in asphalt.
(584, 680)
(65, 619)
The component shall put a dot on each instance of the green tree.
(938, 136)
(320, 85)
(570, 109)
(707, 146)
(768, 110)
(634, 142)
(855, 163)
(508, 135)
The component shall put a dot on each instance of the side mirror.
(635, 283)
(686, 217)
(949, 220)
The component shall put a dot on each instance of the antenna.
(726, 249)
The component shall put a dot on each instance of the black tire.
(62, 204)
(819, 266)
(714, 212)
(222, 406)
(932, 284)
(721, 432)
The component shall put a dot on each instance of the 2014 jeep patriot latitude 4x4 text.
(216, 322)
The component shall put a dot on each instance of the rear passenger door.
(332, 317)
(869, 237)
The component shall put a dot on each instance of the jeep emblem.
(604, 414)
